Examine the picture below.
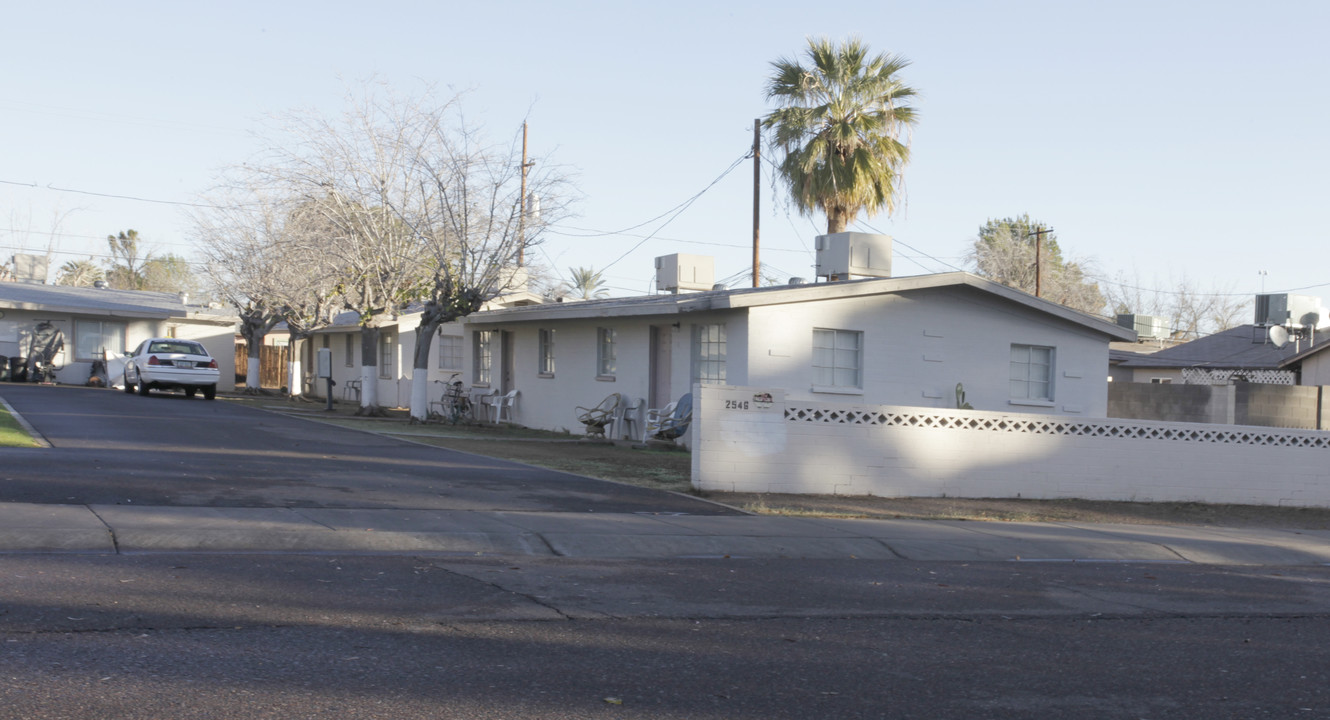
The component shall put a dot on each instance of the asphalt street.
(175, 558)
(112, 448)
(206, 636)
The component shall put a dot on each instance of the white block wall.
(743, 443)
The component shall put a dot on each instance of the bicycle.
(455, 405)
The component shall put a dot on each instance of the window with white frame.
(709, 353)
(605, 360)
(350, 349)
(546, 350)
(838, 359)
(387, 354)
(450, 352)
(92, 337)
(1031, 373)
(483, 365)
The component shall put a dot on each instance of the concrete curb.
(124, 529)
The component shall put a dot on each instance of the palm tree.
(80, 273)
(585, 284)
(839, 125)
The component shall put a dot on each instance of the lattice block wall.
(1211, 376)
(831, 448)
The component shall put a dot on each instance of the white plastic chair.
(503, 406)
(351, 387)
(656, 417)
(480, 398)
(628, 419)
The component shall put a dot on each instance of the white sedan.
(171, 364)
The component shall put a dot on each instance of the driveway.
(112, 448)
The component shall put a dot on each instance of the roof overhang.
(721, 300)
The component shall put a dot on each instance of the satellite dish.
(1278, 335)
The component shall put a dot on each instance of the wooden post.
(757, 186)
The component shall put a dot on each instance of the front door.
(506, 381)
(661, 341)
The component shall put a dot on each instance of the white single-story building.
(102, 324)
(909, 341)
(397, 347)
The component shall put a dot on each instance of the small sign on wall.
(750, 402)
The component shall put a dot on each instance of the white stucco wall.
(551, 402)
(395, 390)
(918, 346)
(1316, 369)
(791, 446)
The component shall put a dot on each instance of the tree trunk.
(837, 219)
(369, 372)
(420, 370)
(294, 382)
(252, 383)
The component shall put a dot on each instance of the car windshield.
(176, 346)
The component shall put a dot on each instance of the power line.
(118, 197)
(679, 210)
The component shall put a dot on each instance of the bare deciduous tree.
(469, 219)
(356, 175)
(1189, 311)
(242, 238)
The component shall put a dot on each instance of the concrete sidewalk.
(32, 528)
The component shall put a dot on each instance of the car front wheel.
(143, 388)
(129, 386)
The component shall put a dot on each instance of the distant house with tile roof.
(100, 323)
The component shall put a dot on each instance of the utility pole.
(1039, 259)
(521, 204)
(757, 187)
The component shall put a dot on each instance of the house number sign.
(759, 401)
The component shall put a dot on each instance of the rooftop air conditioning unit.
(685, 272)
(30, 269)
(1287, 308)
(1146, 326)
(848, 255)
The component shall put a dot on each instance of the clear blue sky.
(1160, 139)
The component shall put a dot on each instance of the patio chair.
(596, 418)
(349, 388)
(503, 405)
(482, 398)
(628, 419)
(677, 423)
(656, 416)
